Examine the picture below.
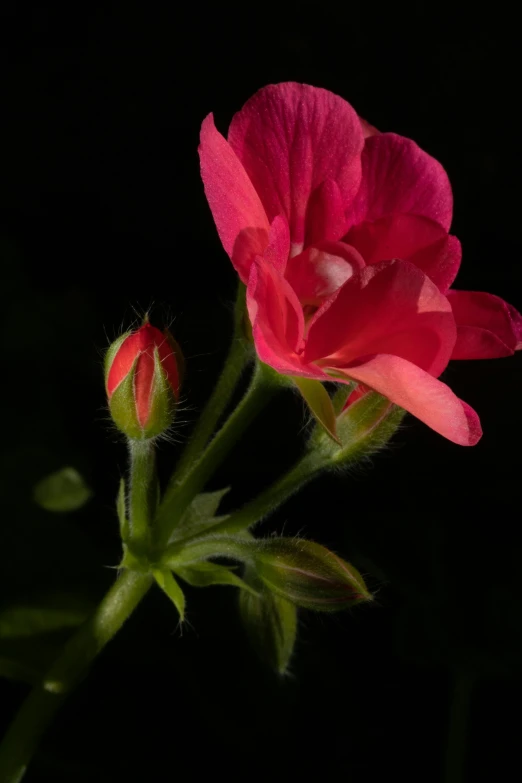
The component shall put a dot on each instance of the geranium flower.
(341, 236)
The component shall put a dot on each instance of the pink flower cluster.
(341, 236)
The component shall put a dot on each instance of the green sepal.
(171, 588)
(133, 561)
(122, 511)
(122, 406)
(271, 625)
(308, 574)
(62, 491)
(341, 395)
(207, 574)
(199, 517)
(363, 428)
(320, 405)
(110, 354)
(163, 402)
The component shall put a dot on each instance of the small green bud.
(309, 575)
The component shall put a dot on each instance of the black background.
(102, 214)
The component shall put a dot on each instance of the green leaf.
(200, 514)
(53, 612)
(171, 588)
(64, 490)
(271, 625)
(206, 574)
(320, 404)
(122, 511)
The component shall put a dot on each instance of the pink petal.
(239, 215)
(276, 317)
(319, 271)
(413, 238)
(487, 327)
(325, 218)
(398, 176)
(390, 307)
(292, 137)
(278, 249)
(142, 340)
(143, 378)
(425, 397)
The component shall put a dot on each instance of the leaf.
(122, 511)
(53, 612)
(171, 588)
(200, 514)
(62, 491)
(271, 625)
(320, 404)
(206, 574)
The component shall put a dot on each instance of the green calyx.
(300, 571)
(162, 409)
(363, 428)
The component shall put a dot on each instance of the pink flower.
(341, 235)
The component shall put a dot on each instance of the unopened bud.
(309, 575)
(142, 380)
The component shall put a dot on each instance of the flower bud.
(142, 380)
(309, 575)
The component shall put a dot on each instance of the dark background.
(102, 214)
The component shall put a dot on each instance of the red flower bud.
(142, 380)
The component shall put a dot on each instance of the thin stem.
(206, 547)
(142, 496)
(232, 369)
(272, 497)
(179, 496)
(37, 712)
(458, 727)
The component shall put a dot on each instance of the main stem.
(37, 712)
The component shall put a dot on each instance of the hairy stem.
(37, 712)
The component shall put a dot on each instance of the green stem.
(180, 495)
(37, 712)
(458, 727)
(235, 362)
(142, 495)
(206, 547)
(272, 497)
